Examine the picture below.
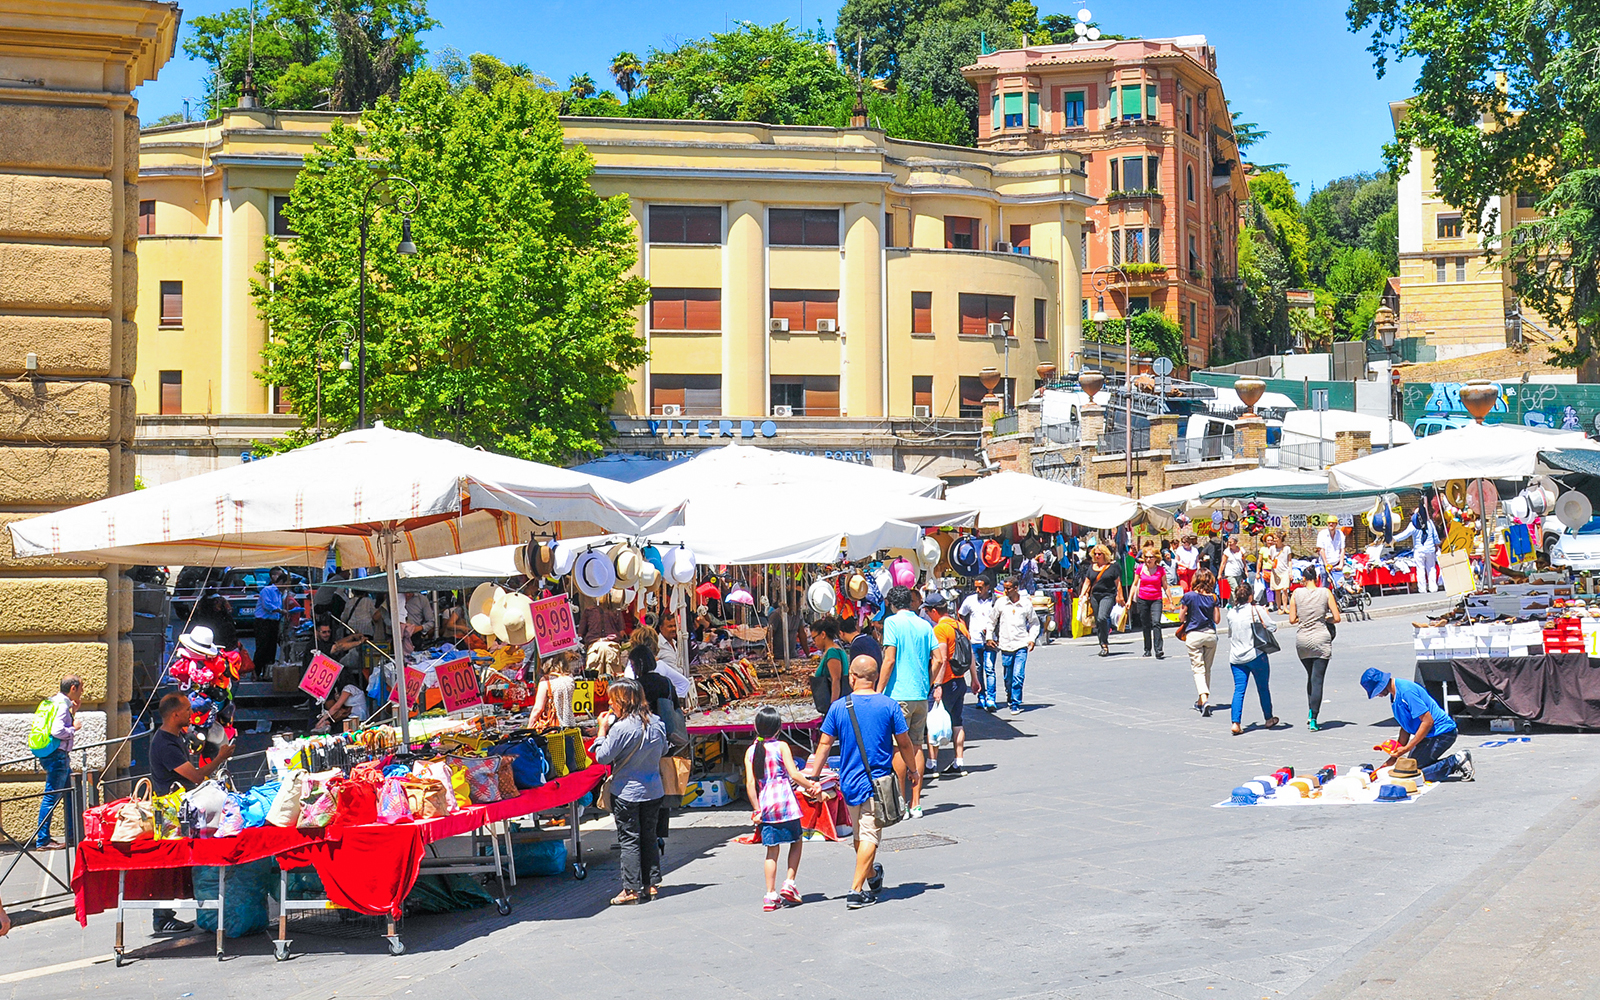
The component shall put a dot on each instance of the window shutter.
(1033, 109)
(1111, 103)
(1131, 102)
(1152, 170)
(1013, 104)
(922, 312)
(1115, 186)
(1152, 101)
(994, 111)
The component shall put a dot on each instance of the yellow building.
(798, 274)
(1451, 293)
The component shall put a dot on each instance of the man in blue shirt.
(1426, 729)
(883, 731)
(268, 613)
(912, 658)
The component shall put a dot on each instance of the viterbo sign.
(712, 428)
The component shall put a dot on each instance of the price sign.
(414, 679)
(458, 683)
(583, 697)
(320, 676)
(553, 627)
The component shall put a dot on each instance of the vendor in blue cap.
(1426, 729)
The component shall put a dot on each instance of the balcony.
(1211, 448)
(1115, 442)
(1134, 195)
(1006, 424)
(1145, 275)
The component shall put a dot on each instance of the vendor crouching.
(1426, 729)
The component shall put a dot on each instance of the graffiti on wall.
(1564, 407)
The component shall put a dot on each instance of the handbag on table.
(135, 817)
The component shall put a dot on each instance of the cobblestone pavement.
(1080, 857)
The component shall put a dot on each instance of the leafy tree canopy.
(890, 29)
(772, 74)
(513, 326)
(905, 115)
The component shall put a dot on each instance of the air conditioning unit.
(1001, 246)
(777, 325)
(996, 330)
(671, 410)
(827, 326)
(925, 412)
(782, 411)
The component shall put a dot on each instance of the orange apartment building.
(1152, 124)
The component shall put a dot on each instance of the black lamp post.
(408, 204)
(344, 365)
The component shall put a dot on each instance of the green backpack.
(40, 738)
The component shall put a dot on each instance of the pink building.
(1151, 122)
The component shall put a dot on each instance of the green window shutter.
(1111, 102)
(1152, 102)
(1033, 109)
(994, 111)
(1013, 104)
(1130, 102)
(1151, 172)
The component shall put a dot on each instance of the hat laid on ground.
(1283, 774)
(1301, 786)
(1243, 796)
(1374, 681)
(1405, 767)
(1392, 793)
(1270, 781)
(200, 640)
(594, 574)
(513, 619)
(855, 586)
(993, 554)
(821, 597)
(965, 557)
(480, 606)
(928, 551)
(1261, 788)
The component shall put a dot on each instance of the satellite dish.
(1080, 30)
(1084, 17)
(1094, 34)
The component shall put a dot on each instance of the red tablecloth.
(369, 868)
(741, 728)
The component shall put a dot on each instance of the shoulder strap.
(861, 745)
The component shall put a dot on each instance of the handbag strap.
(861, 745)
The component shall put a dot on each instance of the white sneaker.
(1016, 711)
(915, 812)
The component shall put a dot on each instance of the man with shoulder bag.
(869, 728)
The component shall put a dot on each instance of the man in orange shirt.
(951, 687)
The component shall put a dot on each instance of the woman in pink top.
(1150, 580)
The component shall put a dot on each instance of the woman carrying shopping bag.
(1102, 589)
(1250, 639)
(1315, 611)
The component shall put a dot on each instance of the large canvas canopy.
(1486, 451)
(1008, 497)
(1181, 497)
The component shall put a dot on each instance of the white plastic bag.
(940, 731)
(1119, 616)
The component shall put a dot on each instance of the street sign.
(1319, 400)
(1161, 366)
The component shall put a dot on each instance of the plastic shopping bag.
(1119, 617)
(940, 731)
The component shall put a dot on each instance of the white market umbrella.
(1008, 497)
(373, 496)
(1475, 451)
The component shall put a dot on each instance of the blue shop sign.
(712, 428)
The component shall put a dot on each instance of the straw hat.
(541, 558)
(1405, 767)
(566, 554)
(481, 605)
(200, 640)
(1455, 491)
(627, 561)
(513, 619)
(821, 597)
(649, 575)
(1573, 509)
(855, 586)
(594, 573)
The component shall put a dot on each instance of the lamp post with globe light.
(344, 364)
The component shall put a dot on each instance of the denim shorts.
(776, 834)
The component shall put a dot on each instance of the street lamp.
(1005, 344)
(1103, 283)
(1384, 323)
(344, 365)
(408, 202)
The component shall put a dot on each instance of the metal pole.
(361, 336)
(389, 539)
(1127, 366)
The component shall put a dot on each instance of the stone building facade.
(69, 164)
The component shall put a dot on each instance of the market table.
(1553, 689)
(368, 868)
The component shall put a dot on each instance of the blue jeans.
(1429, 755)
(57, 780)
(1242, 672)
(1015, 665)
(985, 658)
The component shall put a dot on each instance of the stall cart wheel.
(580, 871)
(504, 906)
(119, 959)
(396, 946)
(280, 950)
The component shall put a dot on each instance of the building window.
(1133, 246)
(1133, 173)
(972, 393)
(280, 400)
(1152, 102)
(1155, 246)
(802, 307)
(694, 224)
(1041, 326)
(172, 303)
(147, 218)
(888, 229)
(686, 309)
(921, 312)
(280, 222)
(172, 392)
(978, 311)
(1116, 181)
(808, 395)
(1152, 173)
(1188, 181)
(803, 227)
(1013, 106)
(1022, 239)
(1083, 249)
(1083, 310)
(1188, 116)
(1132, 103)
(1138, 304)
(1525, 199)
(1116, 246)
(922, 391)
(1194, 254)
(1072, 109)
(1461, 269)
(962, 233)
(1438, 269)
(1449, 227)
(1194, 321)
(694, 395)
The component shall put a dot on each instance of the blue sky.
(1294, 68)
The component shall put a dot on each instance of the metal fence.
(1063, 433)
(1006, 424)
(1115, 442)
(1310, 455)
(1209, 448)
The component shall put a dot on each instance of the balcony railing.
(1005, 424)
(1211, 448)
(1062, 433)
(1115, 442)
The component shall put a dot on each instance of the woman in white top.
(1187, 559)
(1245, 659)
(1233, 569)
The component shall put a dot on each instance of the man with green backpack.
(55, 724)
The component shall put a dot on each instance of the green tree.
(890, 29)
(772, 74)
(627, 71)
(932, 66)
(1267, 277)
(512, 328)
(1360, 210)
(1155, 335)
(1527, 69)
(904, 115)
(581, 86)
(1274, 193)
(1355, 281)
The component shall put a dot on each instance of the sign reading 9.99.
(553, 626)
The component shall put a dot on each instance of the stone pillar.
(1252, 438)
(69, 207)
(1350, 445)
(1164, 431)
(744, 313)
(1030, 414)
(1091, 424)
(243, 335)
(862, 321)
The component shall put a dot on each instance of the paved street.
(1081, 857)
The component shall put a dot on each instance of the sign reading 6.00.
(553, 627)
(458, 683)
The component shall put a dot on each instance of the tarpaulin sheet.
(368, 868)
(1553, 689)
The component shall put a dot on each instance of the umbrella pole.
(396, 613)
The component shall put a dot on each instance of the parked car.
(1578, 549)
(240, 587)
(1433, 423)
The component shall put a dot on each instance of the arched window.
(1188, 180)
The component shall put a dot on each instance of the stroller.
(1354, 601)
